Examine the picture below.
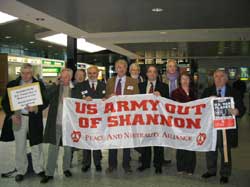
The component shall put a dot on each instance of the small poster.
(24, 95)
(232, 72)
(222, 117)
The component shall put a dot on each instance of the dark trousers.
(87, 157)
(113, 158)
(147, 156)
(185, 160)
(138, 149)
(212, 157)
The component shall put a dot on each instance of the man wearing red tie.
(154, 86)
(120, 85)
(88, 90)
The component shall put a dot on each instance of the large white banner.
(138, 121)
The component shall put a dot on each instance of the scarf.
(172, 77)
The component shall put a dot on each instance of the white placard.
(24, 95)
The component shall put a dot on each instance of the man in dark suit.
(221, 89)
(152, 85)
(88, 90)
(120, 85)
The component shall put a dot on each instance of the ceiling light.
(7, 37)
(82, 44)
(5, 18)
(157, 9)
(31, 42)
(60, 39)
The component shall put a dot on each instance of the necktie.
(151, 90)
(219, 93)
(93, 87)
(118, 90)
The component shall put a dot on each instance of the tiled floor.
(240, 176)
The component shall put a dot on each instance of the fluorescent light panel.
(5, 18)
(82, 44)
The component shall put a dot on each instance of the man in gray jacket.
(53, 130)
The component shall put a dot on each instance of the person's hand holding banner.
(156, 93)
(88, 98)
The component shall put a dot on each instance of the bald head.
(93, 72)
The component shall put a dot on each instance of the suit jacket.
(159, 86)
(35, 119)
(131, 86)
(84, 90)
(232, 134)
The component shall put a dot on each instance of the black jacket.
(84, 90)
(159, 86)
(232, 134)
(35, 119)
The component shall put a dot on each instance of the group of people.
(28, 122)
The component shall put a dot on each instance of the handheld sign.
(24, 95)
(223, 119)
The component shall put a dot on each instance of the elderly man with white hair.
(135, 70)
(53, 130)
(172, 75)
(222, 89)
(27, 122)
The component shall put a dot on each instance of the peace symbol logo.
(76, 136)
(201, 138)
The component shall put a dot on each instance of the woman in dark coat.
(186, 160)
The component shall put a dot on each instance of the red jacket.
(180, 95)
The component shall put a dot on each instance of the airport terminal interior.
(201, 38)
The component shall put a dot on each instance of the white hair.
(222, 71)
(27, 66)
(171, 60)
(122, 61)
(134, 65)
(68, 70)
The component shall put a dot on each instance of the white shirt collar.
(92, 81)
(154, 82)
(71, 85)
(123, 78)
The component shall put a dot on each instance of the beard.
(134, 76)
